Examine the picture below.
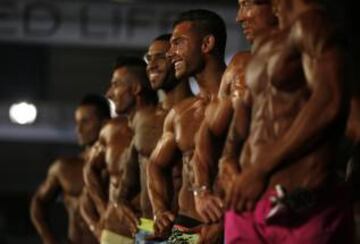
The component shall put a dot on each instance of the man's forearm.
(95, 189)
(202, 160)
(161, 162)
(38, 219)
(129, 185)
(229, 161)
(158, 190)
(88, 212)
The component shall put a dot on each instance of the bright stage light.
(23, 113)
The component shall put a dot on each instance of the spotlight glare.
(23, 113)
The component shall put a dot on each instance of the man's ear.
(208, 43)
(136, 88)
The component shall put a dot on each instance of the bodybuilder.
(292, 117)
(66, 175)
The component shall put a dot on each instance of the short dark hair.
(100, 103)
(138, 67)
(262, 1)
(208, 22)
(163, 37)
(128, 61)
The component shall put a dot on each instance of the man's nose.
(240, 16)
(170, 53)
(108, 93)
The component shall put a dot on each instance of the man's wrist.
(199, 191)
(264, 172)
(159, 212)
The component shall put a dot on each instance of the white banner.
(104, 24)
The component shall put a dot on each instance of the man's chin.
(249, 37)
(179, 75)
(156, 85)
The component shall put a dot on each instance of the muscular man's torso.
(278, 91)
(188, 117)
(219, 112)
(147, 125)
(115, 137)
(70, 176)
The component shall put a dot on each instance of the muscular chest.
(187, 124)
(278, 88)
(276, 67)
(147, 131)
(71, 179)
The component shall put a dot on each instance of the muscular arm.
(46, 193)
(159, 166)
(237, 134)
(89, 213)
(92, 176)
(212, 130)
(159, 177)
(205, 162)
(129, 185)
(240, 108)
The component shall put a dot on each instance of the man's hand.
(98, 231)
(98, 228)
(163, 223)
(128, 217)
(245, 190)
(209, 207)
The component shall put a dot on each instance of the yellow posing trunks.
(146, 225)
(109, 237)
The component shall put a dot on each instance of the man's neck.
(210, 77)
(140, 102)
(175, 95)
(128, 114)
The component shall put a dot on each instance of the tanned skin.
(255, 19)
(147, 125)
(182, 123)
(294, 111)
(66, 176)
(110, 150)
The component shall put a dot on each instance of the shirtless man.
(197, 49)
(256, 18)
(147, 125)
(293, 115)
(130, 90)
(66, 175)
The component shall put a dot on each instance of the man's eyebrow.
(156, 52)
(115, 80)
(175, 38)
